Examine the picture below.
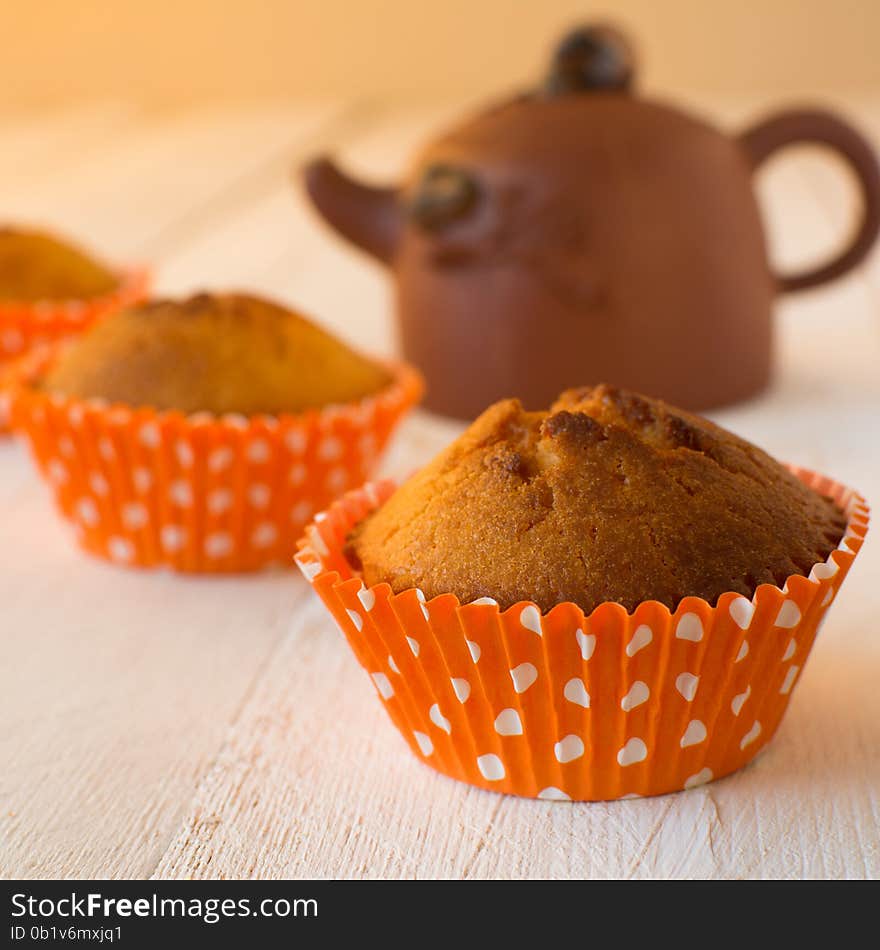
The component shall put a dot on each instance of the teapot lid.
(591, 58)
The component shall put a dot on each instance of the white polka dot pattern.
(667, 722)
(694, 734)
(330, 449)
(149, 436)
(439, 720)
(172, 537)
(142, 479)
(462, 688)
(530, 618)
(221, 459)
(56, 471)
(738, 701)
(576, 692)
(568, 749)
(426, 747)
(259, 495)
(181, 493)
(383, 685)
(824, 571)
(134, 515)
(587, 644)
(258, 452)
(700, 778)
(242, 489)
(641, 639)
(788, 682)
(508, 723)
(264, 535)
(218, 545)
(87, 512)
(310, 568)
(751, 735)
(637, 694)
(423, 606)
(523, 676)
(120, 549)
(686, 684)
(789, 615)
(220, 500)
(689, 627)
(296, 441)
(742, 611)
(337, 479)
(553, 794)
(185, 454)
(632, 752)
(491, 767)
(98, 484)
(301, 511)
(298, 473)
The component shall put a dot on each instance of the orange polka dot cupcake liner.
(199, 493)
(25, 326)
(564, 706)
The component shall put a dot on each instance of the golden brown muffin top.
(609, 496)
(36, 266)
(219, 353)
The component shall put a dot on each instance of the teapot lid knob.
(591, 58)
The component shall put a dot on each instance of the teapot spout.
(368, 217)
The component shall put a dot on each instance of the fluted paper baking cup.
(26, 325)
(200, 493)
(565, 706)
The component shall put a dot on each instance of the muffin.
(609, 599)
(218, 353)
(50, 290)
(202, 434)
(37, 266)
(623, 498)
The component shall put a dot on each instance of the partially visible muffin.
(218, 353)
(37, 266)
(609, 496)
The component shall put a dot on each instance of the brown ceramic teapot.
(581, 233)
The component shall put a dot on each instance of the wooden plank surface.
(154, 725)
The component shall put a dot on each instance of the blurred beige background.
(181, 52)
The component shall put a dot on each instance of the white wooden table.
(152, 725)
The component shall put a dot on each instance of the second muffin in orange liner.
(567, 706)
(199, 492)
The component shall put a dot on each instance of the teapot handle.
(823, 128)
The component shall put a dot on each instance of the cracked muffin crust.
(218, 353)
(608, 496)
